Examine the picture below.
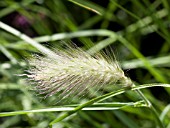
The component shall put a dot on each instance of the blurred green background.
(142, 50)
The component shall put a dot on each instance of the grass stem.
(149, 104)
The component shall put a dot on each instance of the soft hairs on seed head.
(72, 73)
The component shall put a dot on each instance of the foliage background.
(145, 59)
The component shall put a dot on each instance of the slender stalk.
(149, 104)
(85, 105)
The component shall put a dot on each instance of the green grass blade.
(157, 74)
(27, 39)
(125, 119)
(103, 97)
(163, 61)
(8, 54)
(96, 107)
(14, 7)
(165, 112)
(89, 5)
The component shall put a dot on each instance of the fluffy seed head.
(72, 73)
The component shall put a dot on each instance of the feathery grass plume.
(73, 72)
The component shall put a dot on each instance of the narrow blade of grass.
(88, 5)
